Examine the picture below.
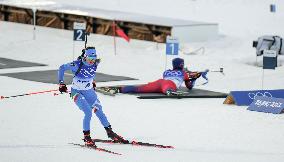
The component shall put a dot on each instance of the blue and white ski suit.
(82, 91)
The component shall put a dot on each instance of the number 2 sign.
(79, 31)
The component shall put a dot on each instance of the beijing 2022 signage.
(245, 98)
(267, 105)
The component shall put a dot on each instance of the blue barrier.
(245, 98)
(267, 105)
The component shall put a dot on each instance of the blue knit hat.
(90, 52)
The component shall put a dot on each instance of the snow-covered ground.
(39, 127)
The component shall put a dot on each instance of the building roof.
(105, 14)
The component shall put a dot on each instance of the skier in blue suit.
(83, 94)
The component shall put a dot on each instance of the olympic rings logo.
(172, 73)
(254, 95)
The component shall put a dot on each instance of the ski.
(105, 91)
(96, 148)
(134, 143)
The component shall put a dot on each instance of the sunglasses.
(91, 60)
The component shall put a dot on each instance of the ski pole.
(28, 94)
(55, 94)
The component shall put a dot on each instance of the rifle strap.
(80, 67)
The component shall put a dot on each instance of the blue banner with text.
(245, 98)
(267, 105)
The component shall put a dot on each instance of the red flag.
(121, 33)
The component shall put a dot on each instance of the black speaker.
(254, 44)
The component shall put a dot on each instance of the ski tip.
(96, 148)
(162, 146)
(104, 150)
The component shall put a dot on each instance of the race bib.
(173, 73)
(176, 76)
(82, 84)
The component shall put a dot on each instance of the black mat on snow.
(51, 76)
(194, 93)
(9, 63)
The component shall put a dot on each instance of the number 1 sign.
(172, 46)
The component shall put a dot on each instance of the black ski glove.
(62, 87)
(190, 83)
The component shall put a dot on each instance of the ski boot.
(173, 93)
(114, 90)
(109, 90)
(115, 137)
(88, 140)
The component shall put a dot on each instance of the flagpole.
(114, 40)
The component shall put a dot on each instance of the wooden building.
(136, 26)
